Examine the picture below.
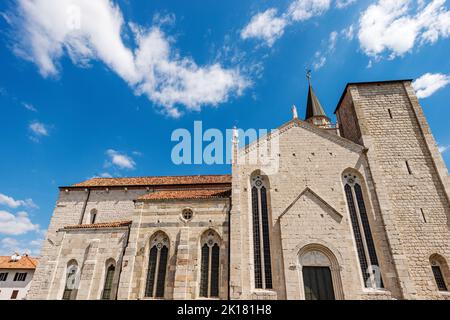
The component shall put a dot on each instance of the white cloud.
(9, 246)
(332, 41)
(88, 30)
(18, 224)
(269, 26)
(105, 175)
(12, 203)
(301, 10)
(340, 4)
(266, 26)
(102, 175)
(320, 58)
(443, 149)
(429, 83)
(29, 107)
(320, 61)
(395, 27)
(38, 129)
(9, 242)
(349, 32)
(120, 160)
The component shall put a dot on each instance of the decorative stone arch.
(145, 244)
(437, 260)
(318, 255)
(109, 262)
(206, 230)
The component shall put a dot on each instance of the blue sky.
(96, 88)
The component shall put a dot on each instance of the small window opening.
(390, 114)
(424, 219)
(408, 167)
(187, 214)
(93, 216)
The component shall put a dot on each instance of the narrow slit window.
(408, 167)
(424, 218)
(93, 216)
(390, 114)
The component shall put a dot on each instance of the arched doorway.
(320, 274)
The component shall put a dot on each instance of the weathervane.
(308, 75)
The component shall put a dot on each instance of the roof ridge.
(154, 180)
(166, 176)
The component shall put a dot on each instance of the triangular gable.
(316, 196)
(307, 126)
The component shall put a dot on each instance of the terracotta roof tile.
(25, 262)
(155, 181)
(187, 194)
(99, 225)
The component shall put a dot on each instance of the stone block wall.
(409, 175)
(113, 205)
(183, 277)
(308, 158)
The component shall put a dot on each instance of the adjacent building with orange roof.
(16, 275)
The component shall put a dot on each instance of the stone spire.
(314, 111)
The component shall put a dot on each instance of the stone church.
(354, 210)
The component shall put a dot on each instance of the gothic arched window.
(108, 286)
(261, 239)
(365, 245)
(439, 268)
(71, 287)
(210, 265)
(157, 266)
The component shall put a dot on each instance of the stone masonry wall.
(308, 158)
(115, 205)
(393, 146)
(182, 278)
(91, 249)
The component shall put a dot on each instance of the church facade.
(357, 210)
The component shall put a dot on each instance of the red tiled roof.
(155, 181)
(187, 194)
(25, 262)
(100, 225)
